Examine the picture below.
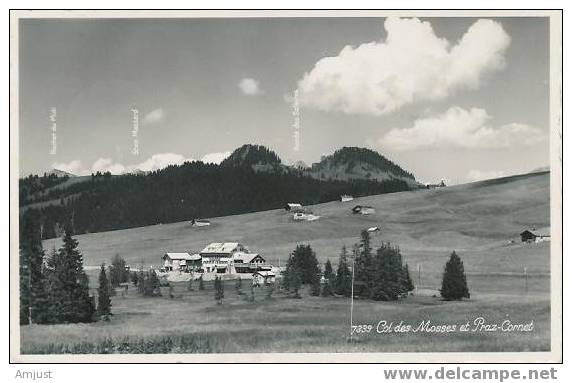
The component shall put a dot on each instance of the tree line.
(375, 274)
(179, 193)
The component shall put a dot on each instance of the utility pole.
(352, 296)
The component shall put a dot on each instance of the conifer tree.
(329, 280)
(454, 284)
(118, 271)
(219, 290)
(238, 286)
(201, 283)
(343, 275)
(134, 277)
(141, 282)
(315, 286)
(408, 282)
(190, 284)
(103, 294)
(252, 296)
(68, 284)
(305, 261)
(112, 292)
(33, 297)
(364, 268)
(152, 285)
(287, 274)
(295, 277)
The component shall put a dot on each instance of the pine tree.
(364, 268)
(315, 286)
(252, 297)
(103, 295)
(118, 271)
(329, 280)
(219, 290)
(68, 284)
(305, 261)
(134, 277)
(287, 274)
(141, 282)
(152, 285)
(238, 286)
(295, 282)
(112, 291)
(269, 291)
(190, 284)
(343, 275)
(454, 284)
(408, 282)
(33, 297)
(201, 283)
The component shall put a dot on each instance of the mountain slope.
(477, 220)
(359, 163)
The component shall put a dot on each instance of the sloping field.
(477, 220)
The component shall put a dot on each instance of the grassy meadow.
(477, 220)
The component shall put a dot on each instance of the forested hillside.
(191, 190)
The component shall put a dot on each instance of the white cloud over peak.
(411, 65)
(215, 158)
(154, 116)
(107, 165)
(460, 128)
(250, 87)
(74, 167)
(155, 162)
(162, 160)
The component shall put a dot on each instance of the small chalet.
(249, 263)
(363, 210)
(346, 198)
(261, 277)
(200, 222)
(181, 261)
(533, 235)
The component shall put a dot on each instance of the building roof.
(182, 256)
(291, 205)
(543, 232)
(220, 247)
(245, 257)
(265, 273)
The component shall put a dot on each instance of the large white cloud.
(250, 87)
(411, 65)
(155, 162)
(107, 165)
(162, 160)
(74, 167)
(154, 116)
(460, 128)
(215, 158)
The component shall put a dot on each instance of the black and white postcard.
(286, 186)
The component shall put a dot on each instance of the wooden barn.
(533, 235)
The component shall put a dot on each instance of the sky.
(459, 99)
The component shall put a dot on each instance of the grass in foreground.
(193, 323)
